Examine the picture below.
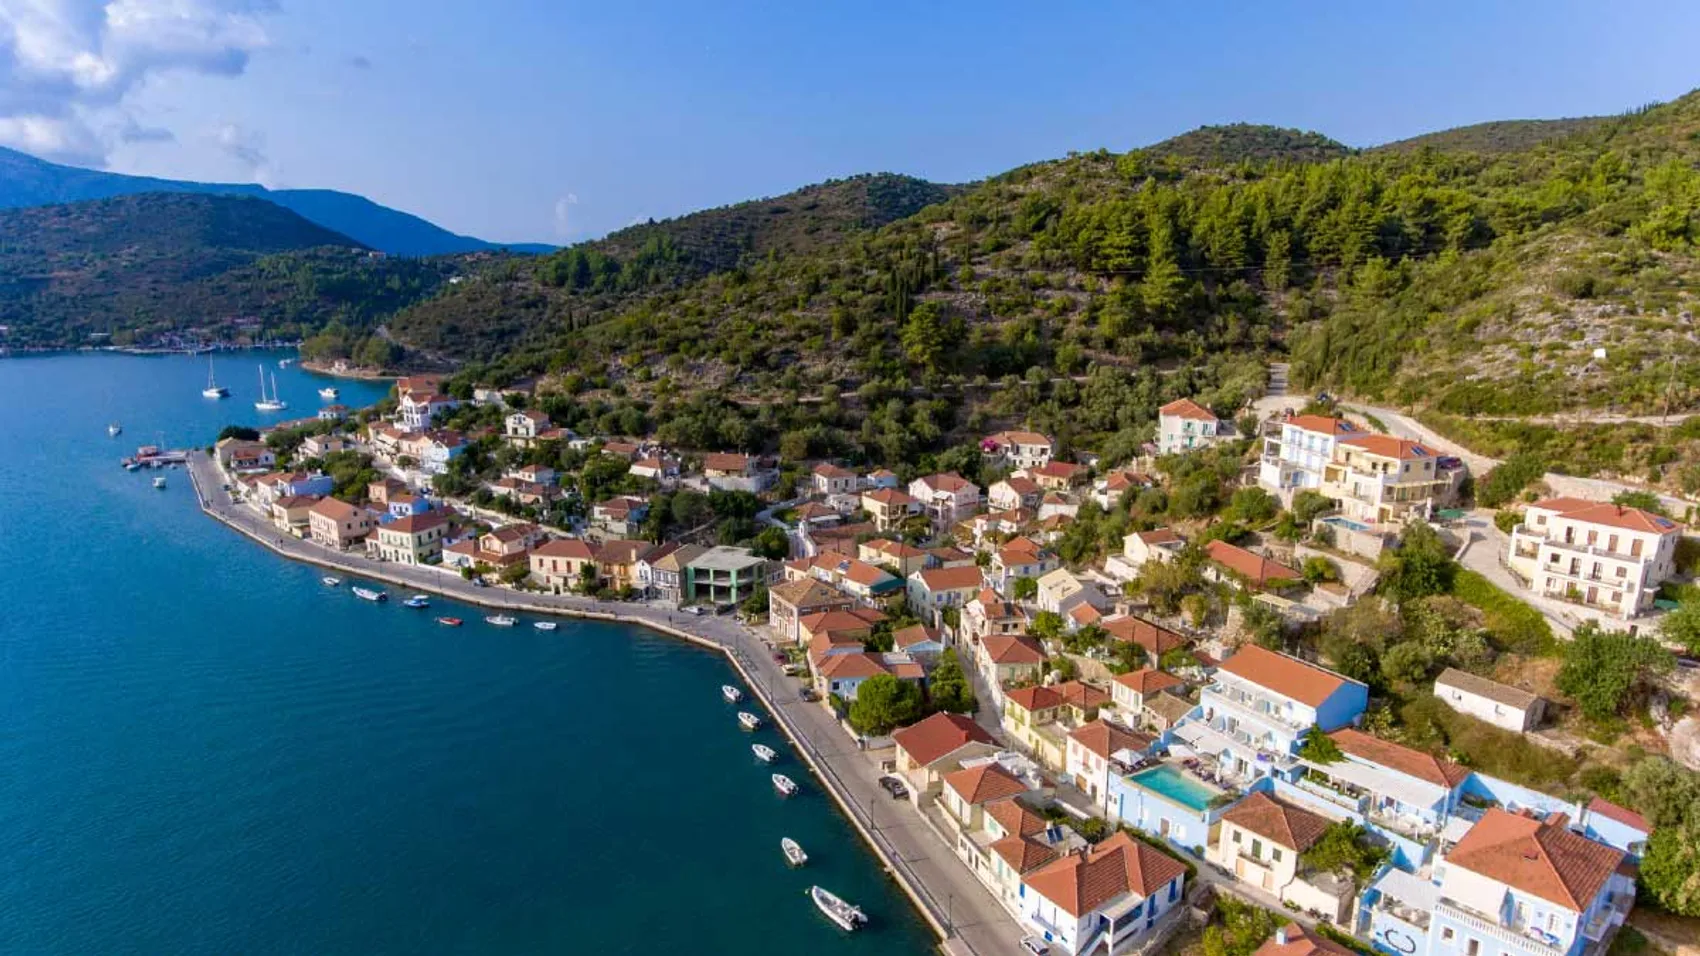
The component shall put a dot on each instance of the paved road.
(978, 922)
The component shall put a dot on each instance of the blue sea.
(205, 751)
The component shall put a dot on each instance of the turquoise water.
(1347, 523)
(203, 751)
(1171, 783)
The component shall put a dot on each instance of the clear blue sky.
(517, 120)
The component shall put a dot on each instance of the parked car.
(893, 785)
(807, 693)
(1035, 945)
(694, 609)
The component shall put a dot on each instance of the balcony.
(1576, 547)
(1527, 939)
(1258, 708)
(1341, 794)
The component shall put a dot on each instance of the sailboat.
(213, 389)
(329, 394)
(273, 404)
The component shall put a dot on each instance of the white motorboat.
(545, 625)
(417, 601)
(846, 916)
(114, 430)
(732, 694)
(794, 854)
(159, 482)
(501, 620)
(272, 404)
(331, 582)
(748, 720)
(367, 594)
(785, 785)
(329, 394)
(213, 389)
(764, 753)
(285, 363)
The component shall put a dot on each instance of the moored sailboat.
(213, 389)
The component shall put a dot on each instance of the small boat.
(748, 720)
(449, 621)
(846, 916)
(114, 430)
(785, 785)
(285, 363)
(794, 854)
(213, 389)
(764, 753)
(130, 464)
(545, 625)
(331, 582)
(367, 594)
(501, 620)
(272, 404)
(159, 482)
(732, 694)
(329, 394)
(417, 601)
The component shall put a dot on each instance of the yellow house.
(1040, 717)
(559, 564)
(293, 514)
(338, 524)
(415, 539)
(1260, 841)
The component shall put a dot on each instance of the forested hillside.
(577, 285)
(159, 262)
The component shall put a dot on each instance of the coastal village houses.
(1295, 459)
(1184, 425)
(1017, 449)
(1605, 557)
(415, 539)
(1102, 898)
(338, 524)
(1260, 705)
(558, 565)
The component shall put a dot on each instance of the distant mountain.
(1243, 142)
(163, 262)
(1502, 136)
(28, 181)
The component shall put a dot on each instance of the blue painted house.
(1168, 801)
(1257, 709)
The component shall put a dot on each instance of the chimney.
(1281, 936)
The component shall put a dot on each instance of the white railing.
(1504, 934)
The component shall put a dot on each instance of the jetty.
(961, 911)
(153, 456)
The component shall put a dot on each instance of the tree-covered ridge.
(1248, 142)
(140, 265)
(581, 285)
(1499, 136)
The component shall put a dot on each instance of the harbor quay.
(964, 915)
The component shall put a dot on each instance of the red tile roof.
(416, 524)
(1253, 567)
(1411, 763)
(890, 497)
(937, 736)
(1012, 649)
(1322, 424)
(951, 579)
(565, 548)
(1081, 882)
(851, 665)
(1022, 854)
(1160, 536)
(989, 781)
(1300, 942)
(948, 481)
(1104, 738)
(1156, 639)
(1610, 515)
(1623, 815)
(827, 469)
(1288, 676)
(1387, 446)
(914, 634)
(725, 461)
(1147, 681)
(1016, 819)
(1541, 859)
(1187, 408)
(1018, 438)
(1277, 820)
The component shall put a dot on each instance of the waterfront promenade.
(961, 910)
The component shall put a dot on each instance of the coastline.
(358, 374)
(939, 919)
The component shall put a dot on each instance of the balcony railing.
(1245, 703)
(1521, 937)
(1577, 547)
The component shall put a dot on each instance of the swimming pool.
(1171, 783)
(1346, 523)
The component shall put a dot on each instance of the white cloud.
(563, 218)
(248, 148)
(66, 66)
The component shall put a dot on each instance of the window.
(1276, 854)
(1256, 848)
(1446, 934)
(1236, 836)
(1473, 947)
